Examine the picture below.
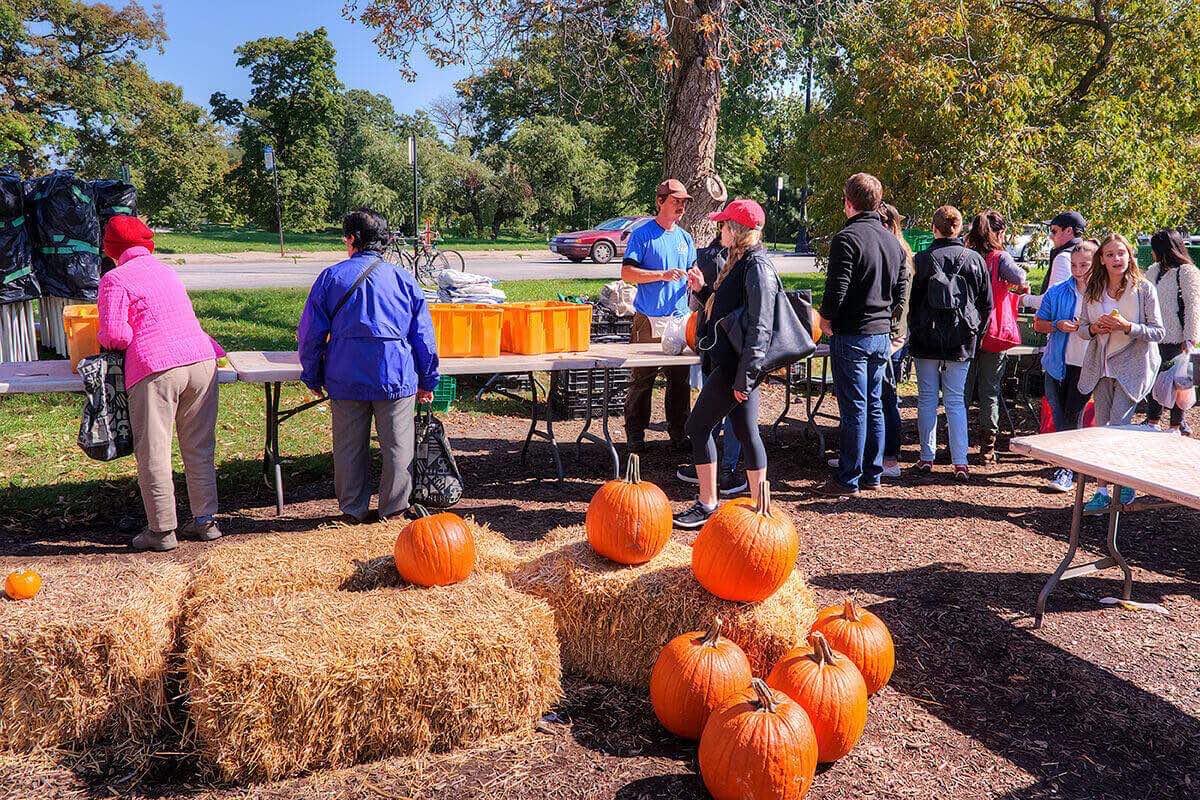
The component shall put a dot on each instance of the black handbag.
(791, 336)
(437, 482)
(105, 432)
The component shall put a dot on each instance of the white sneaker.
(892, 471)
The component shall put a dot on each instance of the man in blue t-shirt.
(657, 258)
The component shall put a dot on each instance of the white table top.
(1156, 463)
(35, 377)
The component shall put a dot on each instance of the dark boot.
(987, 447)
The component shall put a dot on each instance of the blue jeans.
(859, 366)
(951, 378)
(891, 406)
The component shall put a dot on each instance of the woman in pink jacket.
(171, 377)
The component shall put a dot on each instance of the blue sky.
(199, 55)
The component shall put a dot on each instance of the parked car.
(1189, 239)
(1031, 244)
(600, 243)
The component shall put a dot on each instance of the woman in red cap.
(747, 284)
(171, 378)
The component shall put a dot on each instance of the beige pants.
(352, 454)
(186, 397)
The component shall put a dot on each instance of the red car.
(600, 243)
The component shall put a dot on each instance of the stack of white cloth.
(466, 287)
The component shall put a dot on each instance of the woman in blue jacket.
(366, 340)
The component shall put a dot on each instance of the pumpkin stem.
(714, 633)
(822, 652)
(849, 611)
(766, 701)
(633, 469)
(764, 499)
(419, 510)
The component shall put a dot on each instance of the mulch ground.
(1098, 703)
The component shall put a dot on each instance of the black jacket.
(749, 291)
(928, 334)
(866, 279)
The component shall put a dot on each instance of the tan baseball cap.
(672, 188)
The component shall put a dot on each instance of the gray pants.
(1113, 406)
(983, 384)
(352, 454)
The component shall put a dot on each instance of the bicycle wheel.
(455, 260)
(426, 266)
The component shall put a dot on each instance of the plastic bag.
(674, 335)
(1175, 386)
(105, 432)
(17, 281)
(113, 199)
(66, 236)
(618, 298)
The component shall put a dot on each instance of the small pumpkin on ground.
(863, 638)
(758, 745)
(22, 584)
(830, 689)
(629, 521)
(694, 674)
(746, 550)
(435, 550)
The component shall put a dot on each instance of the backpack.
(436, 479)
(948, 320)
(1003, 331)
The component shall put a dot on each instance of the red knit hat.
(122, 233)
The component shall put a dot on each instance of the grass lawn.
(226, 239)
(44, 476)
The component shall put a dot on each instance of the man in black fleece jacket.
(864, 291)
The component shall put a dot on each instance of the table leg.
(787, 399)
(1072, 546)
(548, 434)
(587, 419)
(813, 409)
(272, 472)
(606, 439)
(608, 442)
(1114, 524)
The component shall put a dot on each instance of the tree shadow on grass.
(1080, 729)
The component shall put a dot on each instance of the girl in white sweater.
(1177, 281)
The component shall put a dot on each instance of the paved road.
(255, 273)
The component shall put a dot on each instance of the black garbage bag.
(66, 235)
(113, 199)
(17, 281)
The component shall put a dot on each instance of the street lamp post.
(269, 163)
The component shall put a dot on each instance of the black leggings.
(1153, 409)
(716, 401)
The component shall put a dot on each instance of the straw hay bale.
(85, 661)
(613, 620)
(290, 683)
(350, 558)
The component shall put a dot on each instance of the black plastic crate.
(607, 324)
(569, 392)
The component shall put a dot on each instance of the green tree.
(62, 59)
(175, 152)
(1027, 107)
(295, 106)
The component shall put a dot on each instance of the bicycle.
(422, 257)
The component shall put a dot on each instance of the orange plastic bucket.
(82, 324)
(467, 330)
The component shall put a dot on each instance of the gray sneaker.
(732, 483)
(158, 542)
(202, 531)
(694, 517)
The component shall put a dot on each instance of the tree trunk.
(695, 100)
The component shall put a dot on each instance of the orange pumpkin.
(830, 689)
(816, 325)
(435, 550)
(863, 638)
(22, 584)
(746, 550)
(694, 674)
(629, 521)
(758, 745)
(689, 331)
